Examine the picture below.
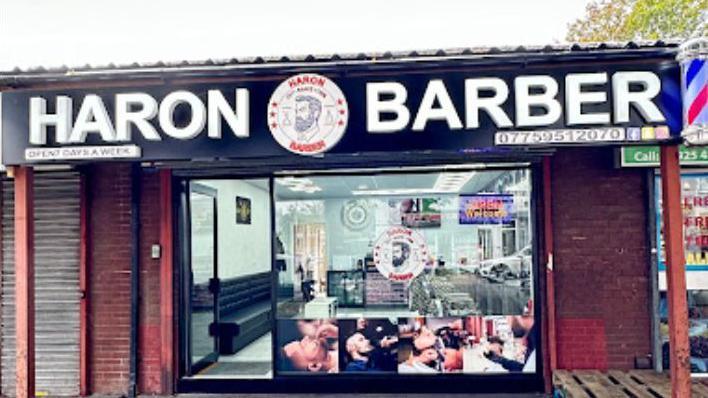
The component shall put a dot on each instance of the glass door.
(228, 278)
(203, 275)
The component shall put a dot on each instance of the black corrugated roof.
(305, 60)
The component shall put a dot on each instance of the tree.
(624, 20)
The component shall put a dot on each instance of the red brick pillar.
(24, 281)
(109, 280)
(149, 321)
(167, 362)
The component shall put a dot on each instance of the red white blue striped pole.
(693, 57)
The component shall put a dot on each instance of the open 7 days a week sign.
(306, 114)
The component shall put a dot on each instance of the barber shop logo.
(400, 254)
(307, 114)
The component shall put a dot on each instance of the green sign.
(648, 156)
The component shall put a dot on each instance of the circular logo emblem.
(307, 114)
(400, 254)
(355, 215)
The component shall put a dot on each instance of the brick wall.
(601, 261)
(109, 317)
(149, 321)
(109, 279)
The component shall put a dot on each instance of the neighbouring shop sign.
(694, 196)
(377, 111)
(648, 156)
(486, 209)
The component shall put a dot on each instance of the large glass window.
(694, 187)
(405, 272)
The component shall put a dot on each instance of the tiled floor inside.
(251, 362)
(258, 351)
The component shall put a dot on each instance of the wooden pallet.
(619, 384)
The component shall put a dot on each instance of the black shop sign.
(313, 114)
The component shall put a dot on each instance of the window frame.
(381, 383)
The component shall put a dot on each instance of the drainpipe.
(135, 180)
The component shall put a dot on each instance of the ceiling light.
(299, 184)
(289, 181)
(397, 191)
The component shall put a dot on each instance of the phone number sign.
(648, 156)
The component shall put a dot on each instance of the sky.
(52, 33)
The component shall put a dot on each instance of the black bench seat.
(244, 311)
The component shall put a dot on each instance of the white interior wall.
(244, 249)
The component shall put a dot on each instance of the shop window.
(694, 187)
(406, 272)
(697, 330)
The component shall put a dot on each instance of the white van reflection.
(514, 266)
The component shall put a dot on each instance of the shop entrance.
(228, 279)
(368, 275)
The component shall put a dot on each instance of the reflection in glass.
(697, 330)
(202, 219)
(431, 244)
(347, 287)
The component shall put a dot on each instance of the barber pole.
(694, 89)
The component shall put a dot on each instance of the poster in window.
(243, 210)
(694, 204)
(430, 345)
(472, 345)
(500, 344)
(368, 345)
(307, 346)
(482, 209)
(415, 212)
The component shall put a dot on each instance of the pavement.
(525, 395)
